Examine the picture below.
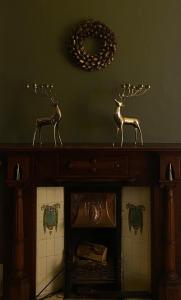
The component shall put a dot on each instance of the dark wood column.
(170, 286)
(18, 287)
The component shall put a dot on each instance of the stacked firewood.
(93, 252)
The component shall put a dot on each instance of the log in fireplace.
(92, 176)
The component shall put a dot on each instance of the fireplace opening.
(94, 256)
(93, 243)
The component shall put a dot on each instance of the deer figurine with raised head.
(120, 120)
(53, 120)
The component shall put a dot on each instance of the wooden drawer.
(96, 166)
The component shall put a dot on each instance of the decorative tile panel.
(50, 238)
(136, 239)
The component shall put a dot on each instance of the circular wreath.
(104, 54)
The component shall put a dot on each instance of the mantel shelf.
(102, 146)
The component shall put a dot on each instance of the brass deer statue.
(120, 120)
(52, 120)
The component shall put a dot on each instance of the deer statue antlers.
(53, 120)
(128, 90)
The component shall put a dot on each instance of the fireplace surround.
(91, 174)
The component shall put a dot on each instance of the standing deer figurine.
(128, 91)
(52, 120)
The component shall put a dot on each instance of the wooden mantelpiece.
(91, 164)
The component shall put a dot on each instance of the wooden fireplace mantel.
(24, 168)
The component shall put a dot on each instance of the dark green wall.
(32, 49)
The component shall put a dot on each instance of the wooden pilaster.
(170, 286)
(18, 282)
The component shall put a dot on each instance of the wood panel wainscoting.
(92, 168)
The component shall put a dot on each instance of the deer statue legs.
(117, 132)
(56, 133)
(122, 134)
(136, 134)
(34, 136)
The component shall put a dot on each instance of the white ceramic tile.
(50, 244)
(41, 196)
(61, 213)
(40, 287)
(51, 195)
(52, 266)
(55, 297)
(41, 234)
(136, 248)
(56, 273)
(40, 213)
(50, 247)
(55, 285)
(41, 248)
(41, 269)
(59, 245)
(60, 230)
(50, 234)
